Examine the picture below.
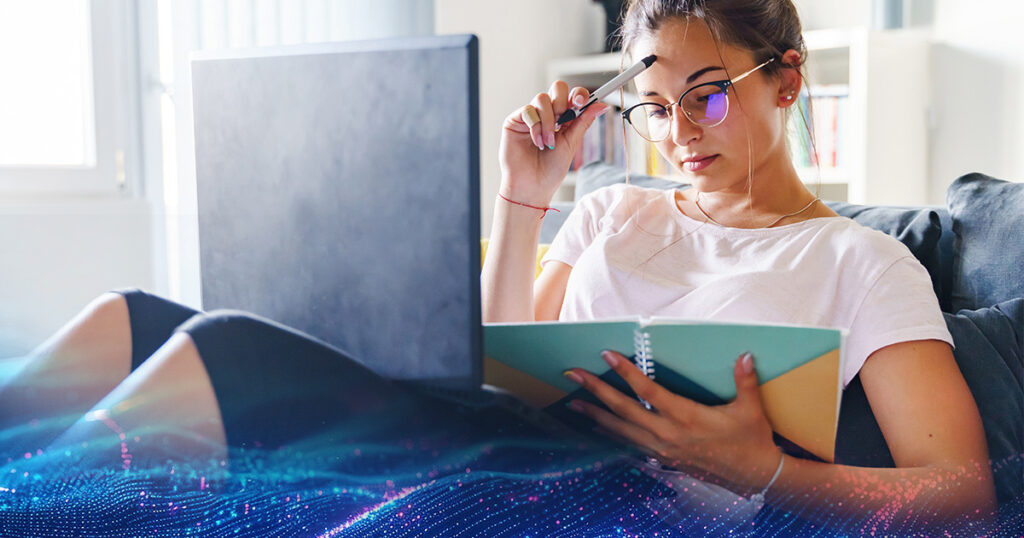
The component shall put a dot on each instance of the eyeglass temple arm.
(741, 77)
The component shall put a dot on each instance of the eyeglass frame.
(721, 84)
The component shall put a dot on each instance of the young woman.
(153, 379)
(747, 243)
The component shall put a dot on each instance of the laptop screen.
(338, 193)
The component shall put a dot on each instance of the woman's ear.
(789, 78)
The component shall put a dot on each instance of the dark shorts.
(276, 385)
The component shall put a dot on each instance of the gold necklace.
(705, 213)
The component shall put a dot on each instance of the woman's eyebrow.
(696, 75)
(689, 79)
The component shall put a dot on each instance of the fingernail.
(747, 362)
(575, 405)
(573, 376)
(578, 100)
(610, 358)
(550, 140)
(602, 112)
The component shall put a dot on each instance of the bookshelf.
(869, 94)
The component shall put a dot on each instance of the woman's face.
(688, 57)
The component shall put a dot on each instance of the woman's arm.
(934, 431)
(507, 275)
(922, 404)
(549, 290)
(530, 174)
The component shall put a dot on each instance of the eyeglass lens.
(703, 105)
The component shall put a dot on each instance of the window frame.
(116, 113)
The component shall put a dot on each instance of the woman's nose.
(683, 130)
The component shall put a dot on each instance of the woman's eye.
(656, 113)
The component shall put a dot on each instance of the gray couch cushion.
(599, 174)
(988, 248)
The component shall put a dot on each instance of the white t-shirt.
(633, 252)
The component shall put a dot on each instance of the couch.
(973, 249)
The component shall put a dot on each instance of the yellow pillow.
(542, 249)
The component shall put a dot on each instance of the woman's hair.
(764, 28)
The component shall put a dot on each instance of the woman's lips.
(693, 166)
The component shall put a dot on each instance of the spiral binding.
(644, 359)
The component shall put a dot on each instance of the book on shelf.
(604, 141)
(799, 368)
(825, 111)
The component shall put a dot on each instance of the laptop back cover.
(338, 193)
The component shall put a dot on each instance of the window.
(68, 125)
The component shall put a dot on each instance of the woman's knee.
(108, 304)
(223, 322)
(221, 333)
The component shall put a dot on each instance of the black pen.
(619, 81)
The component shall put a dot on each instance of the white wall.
(977, 91)
(59, 255)
(63, 246)
(819, 14)
(517, 40)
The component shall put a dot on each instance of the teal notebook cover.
(703, 352)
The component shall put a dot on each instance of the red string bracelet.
(544, 209)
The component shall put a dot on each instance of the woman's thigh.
(152, 320)
(274, 385)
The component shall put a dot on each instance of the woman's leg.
(237, 379)
(70, 372)
(91, 353)
(165, 410)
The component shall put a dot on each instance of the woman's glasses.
(705, 105)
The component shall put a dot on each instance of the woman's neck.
(774, 190)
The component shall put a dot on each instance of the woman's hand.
(729, 444)
(534, 156)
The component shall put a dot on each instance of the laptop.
(338, 194)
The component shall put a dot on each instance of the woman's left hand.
(729, 444)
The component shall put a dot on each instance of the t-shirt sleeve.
(577, 232)
(900, 306)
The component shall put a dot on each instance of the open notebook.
(799, 367)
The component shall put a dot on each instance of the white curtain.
(248, 23)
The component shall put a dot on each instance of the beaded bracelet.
(759, 497)
(544, 209)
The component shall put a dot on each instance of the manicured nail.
(610, 358)
(578, 100)
(747, 362)
(573, 376)
(550, 140)
(575, 405)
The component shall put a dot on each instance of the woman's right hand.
(535, 158)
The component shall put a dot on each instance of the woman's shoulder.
(605, 200)
(866, 250)
(619, 190)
